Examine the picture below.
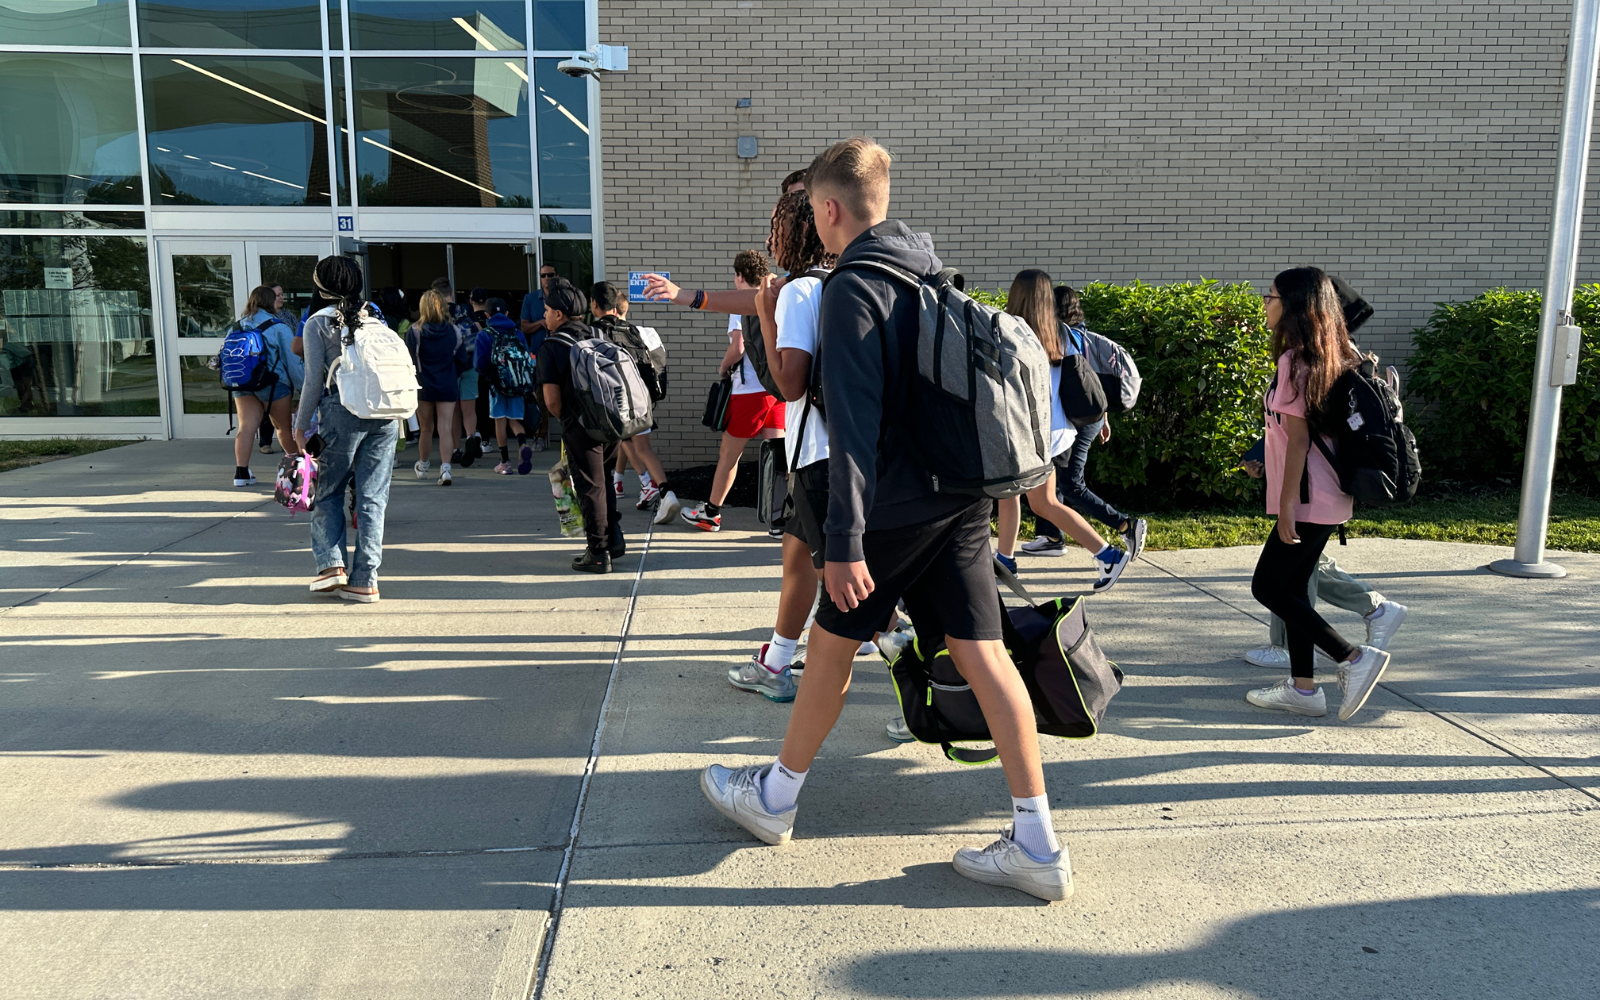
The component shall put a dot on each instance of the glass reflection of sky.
(258, 164)
(433, 24)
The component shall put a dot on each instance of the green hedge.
(1473, 370)
(1204, 352)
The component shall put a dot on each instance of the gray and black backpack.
(613, 400)
(979, 406)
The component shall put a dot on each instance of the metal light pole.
(1555, 361)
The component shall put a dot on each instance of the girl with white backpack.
(359, 382)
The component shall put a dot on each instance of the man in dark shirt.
(588, 461)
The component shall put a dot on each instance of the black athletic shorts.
(943, 569)
(810, 509)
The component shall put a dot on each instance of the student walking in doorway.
(1313, 350)
(269, 406)
(437, 347)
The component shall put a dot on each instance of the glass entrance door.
(204, 287)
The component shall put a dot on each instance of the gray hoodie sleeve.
(313, 341)
(851, 331)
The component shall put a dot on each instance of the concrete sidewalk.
(214, 785)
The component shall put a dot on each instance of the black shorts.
(810, 503)
(943, 569)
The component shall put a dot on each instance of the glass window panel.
(25, 219)
(203, 286)
(341, 121)
(64, 22)
(572, 259)
(563, 224)
(230, 24)
(443, 133)
(563, 123)
(559, 24)
(75, 333)
(236, 130)
(485, 25)
(335, 26)
(202, 385)
(291, 272)
(68, 130)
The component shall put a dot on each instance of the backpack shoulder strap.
(899, 274)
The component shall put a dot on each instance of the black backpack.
(1083, 395)
(651, 359)
(1068, 677)
(1376, 454)
(755, 347)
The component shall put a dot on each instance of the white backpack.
(375, 374)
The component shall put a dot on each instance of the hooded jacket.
(868, 341)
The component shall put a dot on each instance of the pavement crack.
(558, 902)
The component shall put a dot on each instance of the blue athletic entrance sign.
(636, 284)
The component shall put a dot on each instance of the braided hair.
(794, 241)
(339, 278)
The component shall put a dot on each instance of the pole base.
(1531, 571)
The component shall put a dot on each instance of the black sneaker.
(619, 546)
(474, 451)
(593, 562)
(1133, 538)
(456, 457)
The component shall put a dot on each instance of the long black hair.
(339, 278)
(1312, 329)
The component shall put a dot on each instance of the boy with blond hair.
(890, 535)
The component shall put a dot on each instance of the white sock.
(616, 477)
(1374, 614)
(780, 651)
(644, 480)
(1032, 827)
(781, 787)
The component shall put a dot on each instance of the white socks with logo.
(1032, 829)
(780, 652)
(781, 787)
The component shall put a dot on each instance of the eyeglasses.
(547, 274)
(1270, 296)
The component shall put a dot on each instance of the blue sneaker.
(1008, 562)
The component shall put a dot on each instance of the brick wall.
(1409, 147)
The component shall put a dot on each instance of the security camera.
(582, 65)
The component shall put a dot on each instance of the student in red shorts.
(752, 412)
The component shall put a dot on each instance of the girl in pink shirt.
(1313, 350)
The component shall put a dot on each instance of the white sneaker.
(1271, 657)
(1359, 678)
(667, 508)
(1004, 862)
(868, 648)
(1109, 575)
(897, 730)
(1282, 697)
(1382, 628)
(1042, 546)
(1134, 537)
(421, 469)
(444, 474)
(736, 794)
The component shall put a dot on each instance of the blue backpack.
(244, 361)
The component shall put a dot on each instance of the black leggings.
(1283, 574)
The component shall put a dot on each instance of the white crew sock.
(1032, 827)
(616, 477)
(780, 651)
(644, 481)
(781, 787)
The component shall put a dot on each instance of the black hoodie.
(868, 344)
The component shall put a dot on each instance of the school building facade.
(160, 159)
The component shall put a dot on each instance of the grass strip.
(21, 454)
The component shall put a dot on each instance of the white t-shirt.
(744, 376)
(1062, 432)
(799, 304)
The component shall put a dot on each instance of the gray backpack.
(1119, 376)
(613, 400)
(978, 414)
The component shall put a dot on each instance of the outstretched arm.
(734, 301)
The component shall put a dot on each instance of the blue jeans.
(1074, 492)
(364, 450)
